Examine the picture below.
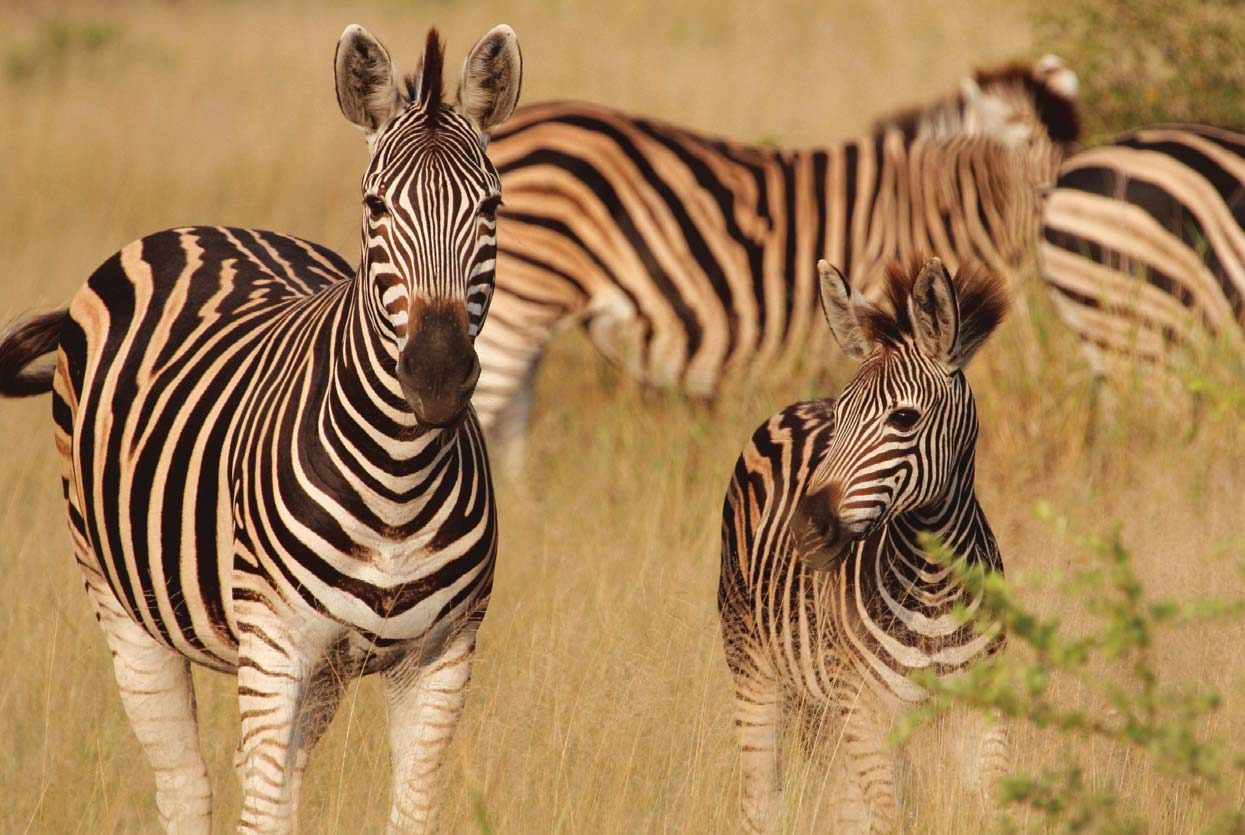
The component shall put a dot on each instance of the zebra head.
(905, 426)
(430, 198)
(1015, 104)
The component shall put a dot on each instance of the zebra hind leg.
(426, 698)
(158, 696)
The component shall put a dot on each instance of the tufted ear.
(840, 305)
(1056, 75)
(488, 89)
(367, 80)
(970, 92)
(935, 313)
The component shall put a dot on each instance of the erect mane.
(1056, 111)
(982, 295)
(424, 86)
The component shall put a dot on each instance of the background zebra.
(688, 259)
(1011, 103)
(824, 591)
(269, 460)
(1143, 244)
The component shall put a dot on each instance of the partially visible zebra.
(269, 459)
(688, 259)
(1011, 103)
(825, 593)
(1143, 244)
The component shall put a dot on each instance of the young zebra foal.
(825, 593)
(269, 459)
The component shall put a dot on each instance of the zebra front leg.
(871, 764)
(984, 760)
(426, 697)
(758, 715)
(158, 695)
(271, 684)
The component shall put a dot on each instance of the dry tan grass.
(601, 702)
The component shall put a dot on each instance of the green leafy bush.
(1122, 697)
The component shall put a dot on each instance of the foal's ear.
(367, 80)
(935, 313)
(840, 306)
(492, 75)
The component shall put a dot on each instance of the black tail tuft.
(23, 343)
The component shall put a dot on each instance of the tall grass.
(601, 702)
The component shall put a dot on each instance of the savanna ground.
(600, 702)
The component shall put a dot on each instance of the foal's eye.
(903, 419)
(375, 206)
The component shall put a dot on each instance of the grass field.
(601, 702)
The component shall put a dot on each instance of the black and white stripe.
(269, 460)
(825, 592)
(688, 259)
(1143, 244)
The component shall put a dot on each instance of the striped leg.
(426, 698)
(758, 714)
(510, 348)
(324, 694)
(871, 764)
(158, 695)
(985, 756)
(271, 684)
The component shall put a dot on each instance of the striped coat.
(1143, 245)
(688, 259)
(826, 594)
(269, 460)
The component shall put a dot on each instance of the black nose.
(438, 368)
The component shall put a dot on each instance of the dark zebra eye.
(375, 206)
(903, 419)
(489, 207)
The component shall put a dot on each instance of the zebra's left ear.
(492, 75)
(935, 314)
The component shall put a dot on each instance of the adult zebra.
(825, 592)
(689, 259)
(270, 462)
(1143, 244)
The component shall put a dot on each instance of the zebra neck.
(363, 415)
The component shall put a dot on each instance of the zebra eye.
(903, 419)
(375, 206)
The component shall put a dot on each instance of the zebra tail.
(23, 343)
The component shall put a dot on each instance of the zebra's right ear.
(839, 304)
(367, 80)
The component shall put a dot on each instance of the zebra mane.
(982, 295)
(424, 86)
(1057, 112)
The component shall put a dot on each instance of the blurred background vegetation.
(1149, 61)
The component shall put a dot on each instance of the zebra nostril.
(473, 374)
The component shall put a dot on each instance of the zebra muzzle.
(438, 368)
(820, 537)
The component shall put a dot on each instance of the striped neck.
(384, 450)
